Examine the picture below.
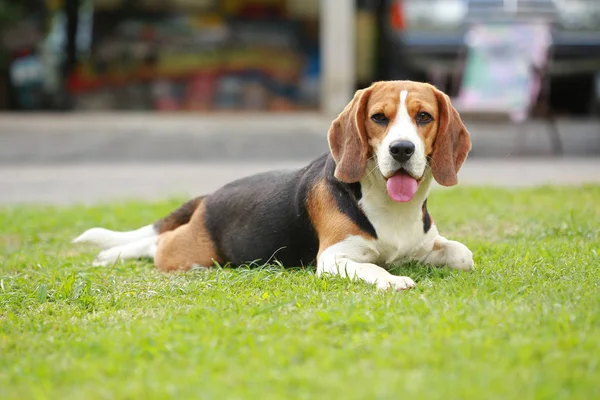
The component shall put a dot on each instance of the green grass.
(524, 324)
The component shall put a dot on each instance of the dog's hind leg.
(106, 239)
(142, 248)
(138, 243)
(179, 217)
(187, 246)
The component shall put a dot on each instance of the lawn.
(525, 324)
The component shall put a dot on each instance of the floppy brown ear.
(451, 145)
(348, 140)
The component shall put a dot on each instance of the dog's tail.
(106, 239)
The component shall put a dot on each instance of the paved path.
(93, 183)
(130, 137)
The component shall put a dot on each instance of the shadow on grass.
(417, 271)
(256, 271)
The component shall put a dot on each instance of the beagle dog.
(355, 211)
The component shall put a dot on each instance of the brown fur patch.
(452, 143)
(178, 217)
(188, 245)
(348, 140)
(331, 224)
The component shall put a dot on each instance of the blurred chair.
(506, 72)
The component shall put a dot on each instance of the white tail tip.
(98, 236)
(105, 238)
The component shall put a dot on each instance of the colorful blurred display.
(169, 55)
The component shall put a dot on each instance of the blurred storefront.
(160, 55)
(267, 55)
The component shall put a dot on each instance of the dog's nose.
(402, 150)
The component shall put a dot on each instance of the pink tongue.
(402, 187)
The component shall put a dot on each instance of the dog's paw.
(458, 256)
(396, 283)
(107, 257)
(450, 253)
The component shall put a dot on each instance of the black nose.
(402, 150)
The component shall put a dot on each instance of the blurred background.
(266, 55)
(121, 81)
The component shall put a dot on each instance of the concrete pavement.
(94, 183)
(72, 158)
(116, 137)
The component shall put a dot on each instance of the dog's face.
(405, 127)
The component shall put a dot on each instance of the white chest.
(399, 226)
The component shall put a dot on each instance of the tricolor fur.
(354, 211)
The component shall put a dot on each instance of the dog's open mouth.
(402, 186)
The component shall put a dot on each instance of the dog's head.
(405, 127)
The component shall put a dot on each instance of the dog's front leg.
(348, 259)
(449, 253)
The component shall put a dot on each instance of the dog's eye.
(424, 118)
(379, 118)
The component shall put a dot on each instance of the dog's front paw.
(451, 254)
(396, 283)
(458, 256)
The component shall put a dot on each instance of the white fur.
(105, 238)
(399, 226)
(451, 253)
(141, 248)
(402, 128)
(120, 245)
(351, 259)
